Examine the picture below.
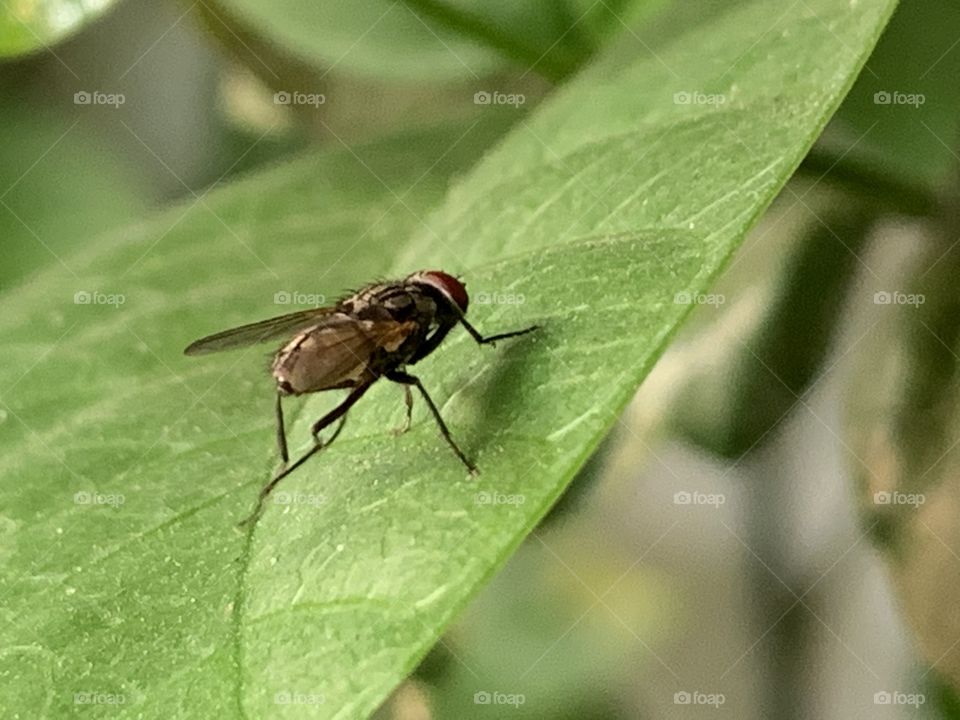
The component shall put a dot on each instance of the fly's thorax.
(400, 301)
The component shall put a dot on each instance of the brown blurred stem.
(788, 344)
(276, 69)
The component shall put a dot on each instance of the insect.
(376, 332)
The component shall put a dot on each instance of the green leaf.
(140, 577)
(31, 26)
(589, 218)
(38, 154)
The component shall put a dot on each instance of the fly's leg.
(406, 379)
(281, 433)
(408, 400)
(338, 413)
(286, 470)
(491, 339)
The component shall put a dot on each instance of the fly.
(376, 332)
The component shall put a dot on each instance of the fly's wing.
(338, 352)
(271, 329)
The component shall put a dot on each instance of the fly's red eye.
(451, 286)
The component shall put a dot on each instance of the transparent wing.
(271, 329)
(337, 353)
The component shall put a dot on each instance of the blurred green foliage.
(32, 27)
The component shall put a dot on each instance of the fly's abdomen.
(321, 359)
(342, 352)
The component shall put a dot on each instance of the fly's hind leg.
(338, 413)
(281, 433)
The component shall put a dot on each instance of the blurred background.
(771, 530)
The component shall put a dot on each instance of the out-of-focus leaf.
(900, 120)
(439, 39)
(30, 25)
(904, 426)
(369, 37)
(567, 656)
(784, 320)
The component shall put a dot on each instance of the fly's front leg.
(408, 401)
(492, 339)
(407, 379)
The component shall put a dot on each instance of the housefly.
(376, 332)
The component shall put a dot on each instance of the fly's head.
(449, 287)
